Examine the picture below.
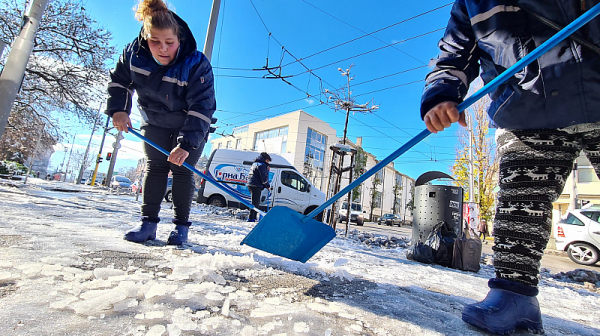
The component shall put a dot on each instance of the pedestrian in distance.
(546, 115)
(176, 98)
(258, 179)
(483, 230)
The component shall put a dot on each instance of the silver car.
(579, 234)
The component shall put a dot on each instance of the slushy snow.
(65, 270)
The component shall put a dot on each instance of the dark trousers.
(255, 195)
(534, 165)
(157, 171)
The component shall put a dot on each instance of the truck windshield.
(355, 207)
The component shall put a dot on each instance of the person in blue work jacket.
(258, 179)
(546, 115)
(176, 98)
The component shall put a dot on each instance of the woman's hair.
(155, 14)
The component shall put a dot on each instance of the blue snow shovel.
(197, 172)
(285, 232)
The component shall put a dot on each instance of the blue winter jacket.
(259, 173)
(560, 89)
(177, 96)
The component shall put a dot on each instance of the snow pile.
(580, 275)
(375, 240)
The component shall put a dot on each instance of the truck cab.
(231, 167)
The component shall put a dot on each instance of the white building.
(304, 140)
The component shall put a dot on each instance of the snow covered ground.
(65, 270)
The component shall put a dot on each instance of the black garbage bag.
(467, 253)
(444, 253)
(421, 252)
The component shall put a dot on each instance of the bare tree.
(77, 160)
(375, 194)
(66, 72)
(130, 172)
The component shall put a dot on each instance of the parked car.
(578, 233)
(390, 220)
(168, 194)
(135, 185)
(120, 182)
(356, 214)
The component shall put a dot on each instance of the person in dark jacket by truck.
(258, 179)
(546, 114)
(176, 98)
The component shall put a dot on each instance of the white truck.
(231, 168)
(356, 214)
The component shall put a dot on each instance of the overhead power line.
(368, 34)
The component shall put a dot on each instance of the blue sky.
(303, 28)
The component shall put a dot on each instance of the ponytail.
(155, 14)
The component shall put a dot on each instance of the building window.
(240, 129)
(228, 144)
(219, 145)
(238, 143)
(314, 154)
(272, 141)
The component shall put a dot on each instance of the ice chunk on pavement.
(301, 327)
(214, 277)
(214, 296)
(159, 289)
(123, 305)
(4, 276)
(173, 330)
(5, 263)
(103, 273)
(156, 330)
(225, 309)
(62, 304)
(340, 262)
(183, 320)
(98, 303)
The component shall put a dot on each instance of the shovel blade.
(287, 233)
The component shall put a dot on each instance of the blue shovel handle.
(539, 51)
(197, 172)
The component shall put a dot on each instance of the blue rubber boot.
(508, 306)
(145, 232)
(180, 234)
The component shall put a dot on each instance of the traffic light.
(99, 160)
(108, 156)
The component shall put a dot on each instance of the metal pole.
(212, 27)
(471, 182)
(113, 157)
(69, 160)
(2, 46)
(14, 69)
(37, 143)
(93, 181)
(87, 150)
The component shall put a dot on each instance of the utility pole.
(113, 157)
(471, 181)
(14, 69)
(69, 160)
(212, 27)
(37, 143)
(87, 150)
(342, 100)
(99, 157)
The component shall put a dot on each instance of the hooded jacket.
(176, 96)
(559, 89)
(259, 173)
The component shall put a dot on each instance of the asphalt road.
(553, 260)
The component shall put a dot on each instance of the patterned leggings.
(534, 165)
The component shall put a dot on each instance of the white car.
(579, 234)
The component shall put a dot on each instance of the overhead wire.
(376, 31)
(360, 30)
